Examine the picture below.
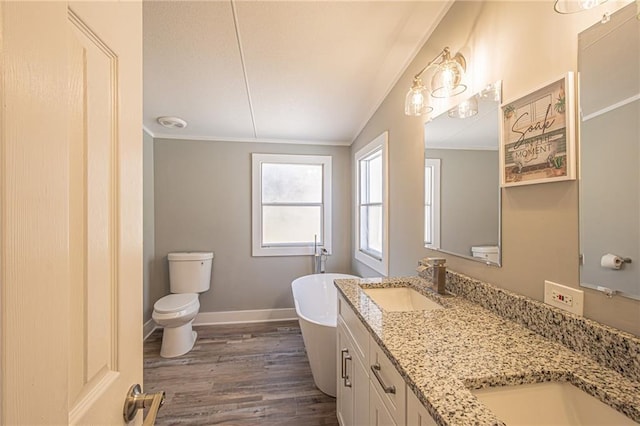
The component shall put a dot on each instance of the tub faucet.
(438, 268)
(319, 257)
(323, 260)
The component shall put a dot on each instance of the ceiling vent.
(172, 122)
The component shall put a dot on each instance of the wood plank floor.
(247, 374)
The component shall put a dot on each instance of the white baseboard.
(148, 328)
(238, 317)
(232, 317)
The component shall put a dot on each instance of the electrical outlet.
(563, 297)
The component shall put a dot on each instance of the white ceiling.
(289, 71)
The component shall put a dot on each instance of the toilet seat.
(174, 303)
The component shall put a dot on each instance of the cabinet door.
(345, 391)
(378, 413)
(417, 414)
(352, 400)
(360, 381)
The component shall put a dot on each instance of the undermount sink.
(400, 299)
(548, 403)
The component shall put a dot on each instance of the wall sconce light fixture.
(447, 81)
(465, 109)
(573, 6)
(416, 101)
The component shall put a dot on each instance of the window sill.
(285, 251)
(380, 266)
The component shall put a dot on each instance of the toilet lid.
(175, 302)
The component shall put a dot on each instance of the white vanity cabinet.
(370, 391)
(352, 342)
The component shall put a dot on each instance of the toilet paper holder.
(624, 259)
(612, 261)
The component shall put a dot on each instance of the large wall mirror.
(462, 190)
(609, 94)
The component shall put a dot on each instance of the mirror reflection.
(462, 190)
(609, 73)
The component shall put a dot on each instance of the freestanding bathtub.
(315, 298)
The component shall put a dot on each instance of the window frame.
(294, 249)
(434, 205)
(381, 264)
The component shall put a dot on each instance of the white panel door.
(71, 211)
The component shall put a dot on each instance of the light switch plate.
(563, 297)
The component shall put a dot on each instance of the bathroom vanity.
(371, 391)
(401, 364)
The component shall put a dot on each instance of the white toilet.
(189, 274)
(488, 253)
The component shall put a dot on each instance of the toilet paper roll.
(611, 261)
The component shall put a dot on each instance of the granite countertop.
(444, 353)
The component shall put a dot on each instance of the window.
(371, 205)
(291, 208)
(432, 203)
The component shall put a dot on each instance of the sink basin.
(400, 299)
(549, 403)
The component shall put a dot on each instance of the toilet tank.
(189, 272)
(489, 253)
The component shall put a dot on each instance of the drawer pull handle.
(344, 354)
(343, 363)
(347, 382)
(387, 389)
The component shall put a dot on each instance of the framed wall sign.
(537, 143)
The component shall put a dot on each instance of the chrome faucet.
(319, 257)
(323, 260)
(438, 272)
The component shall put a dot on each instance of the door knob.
(137, 400)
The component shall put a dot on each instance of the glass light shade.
(491, 92)
(465, 109)
(416, 101)
(447, 80)
(573, 6)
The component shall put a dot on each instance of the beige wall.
(150, 295)
(524, 44)
(203, 203)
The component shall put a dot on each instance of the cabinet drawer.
(359, 333)
(388, 382)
